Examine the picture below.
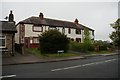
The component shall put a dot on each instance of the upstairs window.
(2, 41)
(63, 30)
(93, 33)
(69, 30)
(78, 31)
(22, 27)
(37, 28)
(52, 28)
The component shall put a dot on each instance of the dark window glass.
(63, 30)
(69, 30)
(78, 31)
(2, 41)
(78, 39)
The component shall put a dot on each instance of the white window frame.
(35, 41)
(37, 28)
(1, 37)
(52, 28)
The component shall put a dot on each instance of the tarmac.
(30, 59)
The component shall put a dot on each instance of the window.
(22, 39)
(37, 28)
(35, 40)
(78, 39)
(52, 28)
(78, 31)
(93, 33)
(2, 41)
(22, 27)
(72, 39)
(69, 30)
(63, 30)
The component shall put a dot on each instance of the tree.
(87, 40)
(115, 35)
(100, 45)
(51, 41)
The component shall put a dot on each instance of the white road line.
(83, 65)
(7, 76)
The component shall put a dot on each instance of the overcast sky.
(96, 15)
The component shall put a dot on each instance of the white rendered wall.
(30, 33)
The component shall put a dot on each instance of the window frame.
(69, 30)
(78, 40)
(39, 26)
(51, 28)
(22, 27)
(5, 41)
(34, 40)
(78, 31)
(63, 30)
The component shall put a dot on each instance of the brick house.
(7, 35)
(30, 28)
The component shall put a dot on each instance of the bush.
(101, 45)
(82, 47)
(51, 41)
(74, 46)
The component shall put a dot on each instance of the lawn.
(37, 53)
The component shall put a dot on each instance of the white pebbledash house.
(30, 28)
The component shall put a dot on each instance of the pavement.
(30, 59)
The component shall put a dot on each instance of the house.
(7, 35)
(30, 28)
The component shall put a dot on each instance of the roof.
(7, 26)
(52, 22)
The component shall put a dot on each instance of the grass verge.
(37, 53)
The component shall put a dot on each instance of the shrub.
(81, 46)
(101, 45)
(74, 46)
(51, 41)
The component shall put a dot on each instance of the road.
(92, 67)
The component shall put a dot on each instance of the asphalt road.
(92, 67)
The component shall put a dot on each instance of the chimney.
(41, 16)
(11, 17)
(76, 21)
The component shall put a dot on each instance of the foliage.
(74, 46)
(51, 41)
(87, 45)
(80, 47)
(115, 35)
(101, 45)
(37, 53)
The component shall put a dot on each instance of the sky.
(95, 15)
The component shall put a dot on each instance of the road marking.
(83, 65)
(7, 76)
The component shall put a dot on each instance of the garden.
(55, 44)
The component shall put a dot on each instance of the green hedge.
(81, 46)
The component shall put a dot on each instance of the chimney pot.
(41, 16)
(76, 21)
(11, 17)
